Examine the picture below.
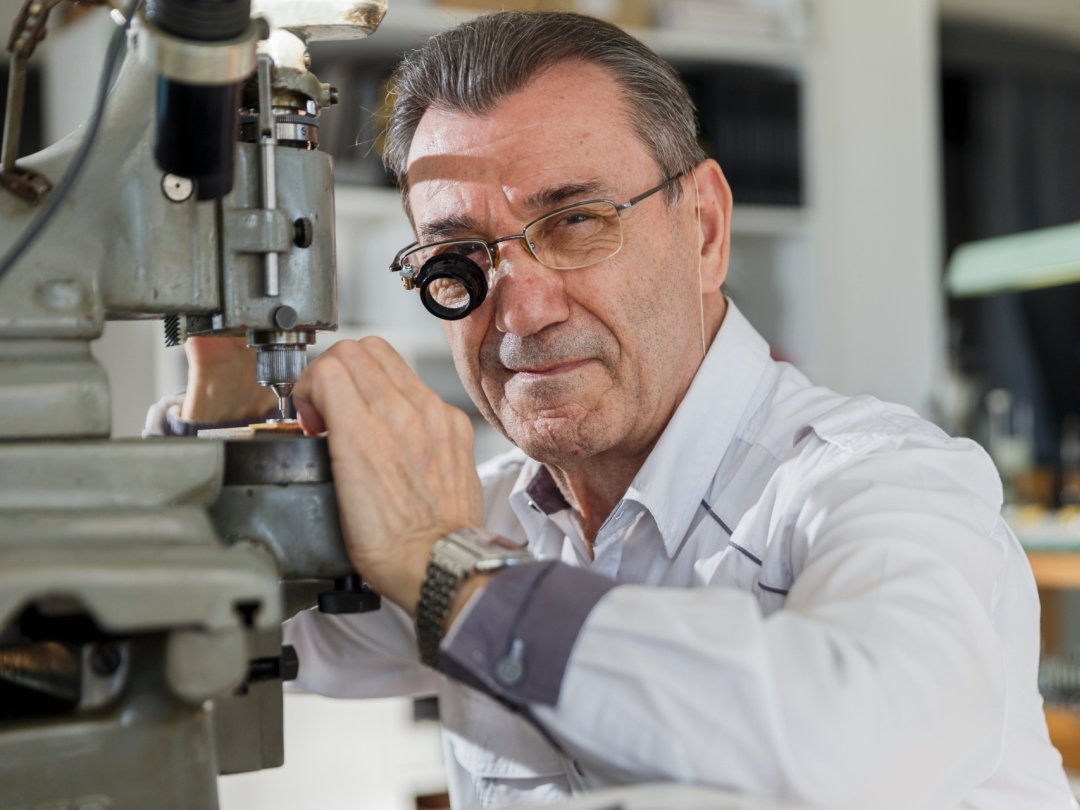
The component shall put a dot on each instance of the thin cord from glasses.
(700, 283)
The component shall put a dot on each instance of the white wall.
(873, 306)
(345, 755)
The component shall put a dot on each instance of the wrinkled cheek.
(490, 398)
(514, 416)
(472, 380)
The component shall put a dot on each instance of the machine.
(141, 594)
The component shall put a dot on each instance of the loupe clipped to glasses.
(451, 285)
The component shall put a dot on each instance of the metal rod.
(13, 116)
(28, 31)
(267, 153)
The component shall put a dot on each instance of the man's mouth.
(549, 369)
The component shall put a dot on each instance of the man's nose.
(528, 295)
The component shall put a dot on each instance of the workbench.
(1052, 542)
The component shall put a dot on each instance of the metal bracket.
(28, 31)
(26, 184)
(257, 230)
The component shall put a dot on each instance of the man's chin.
(559, 441)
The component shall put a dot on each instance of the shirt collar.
(544, 493)
(684, 461)
(682, 465)
(534, 497)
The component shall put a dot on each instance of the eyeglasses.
(453, 275)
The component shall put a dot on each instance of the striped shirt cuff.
(163, 419)
(515, 640)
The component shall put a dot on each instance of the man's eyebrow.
(456, 225)
(446, 228)
(553, 197)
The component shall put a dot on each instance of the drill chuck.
(280, 359)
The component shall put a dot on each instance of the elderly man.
(718, 573)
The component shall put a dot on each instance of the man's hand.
(402, 461)
(221, 382)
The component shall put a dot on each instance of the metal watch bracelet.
(454, 558)
(436, 593)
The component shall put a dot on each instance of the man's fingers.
(386, 372)
(385, 382)
(402, 458)
(397, 371)
(326, 394)
(367, 388)
(309, 419)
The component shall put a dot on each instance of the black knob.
(290, 663)
(286, 667)
(350, 595)
(303, 232)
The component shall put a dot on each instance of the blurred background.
(865, 140)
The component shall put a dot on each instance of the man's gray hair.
(474, 66)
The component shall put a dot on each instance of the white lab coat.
(865, 637)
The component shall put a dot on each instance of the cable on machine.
(34, 229)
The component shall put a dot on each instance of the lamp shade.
(1047, 257)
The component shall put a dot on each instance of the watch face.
(497, 563)
(489, 551)
(499, 543)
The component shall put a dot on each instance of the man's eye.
(475, 251)
(576, 218)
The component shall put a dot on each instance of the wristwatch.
(454, 558)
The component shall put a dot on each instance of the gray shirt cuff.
(515, 641)
(163, 419)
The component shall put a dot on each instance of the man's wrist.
(464, 594)
(404, 583)
(220, 399)
(459, 564)
(514, 639)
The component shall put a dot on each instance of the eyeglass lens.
(576, 237)
(564, 240)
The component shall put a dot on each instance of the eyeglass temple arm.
(395, 265)
(635, 200)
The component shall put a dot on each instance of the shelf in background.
(380, 203)
(1051, 538)
(1056, 569)
(367, 202)
(678, 46)
(409, 344)
(407, 26)
(1045, 531)
(767, 220)
(1064, 726)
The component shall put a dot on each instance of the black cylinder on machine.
(197, 124)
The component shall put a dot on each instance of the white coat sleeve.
(879, 684)
(366, 655)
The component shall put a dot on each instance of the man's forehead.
(483, 150)
(571, 109)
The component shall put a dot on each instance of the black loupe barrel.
(197, 124)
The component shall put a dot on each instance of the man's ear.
(713, 201)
